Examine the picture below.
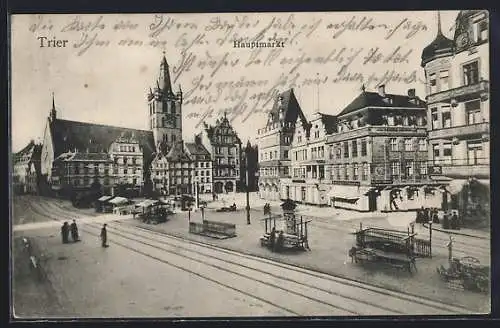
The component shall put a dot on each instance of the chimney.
(381, 90)
(411, 93)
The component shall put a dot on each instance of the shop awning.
(455, 186)
(105, 198)
(344, 193)
(118, 200)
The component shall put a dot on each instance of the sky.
(109, 63)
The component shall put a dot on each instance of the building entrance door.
(372, 201)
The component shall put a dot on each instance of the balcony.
(457, 131)
(461, 93)
(465, 171)
(378, 130)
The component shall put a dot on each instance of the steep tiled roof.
(26, 148)
(93, 157)
(71, 135)
(373, 99)
(177, 153)
(290, 106)
(330, 122)
(197, 149)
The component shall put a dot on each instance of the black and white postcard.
(250, 164)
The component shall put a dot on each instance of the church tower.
(165, 110)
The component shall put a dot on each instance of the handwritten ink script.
(321, 51)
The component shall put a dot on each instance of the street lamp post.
(430, 238)
(247, 152)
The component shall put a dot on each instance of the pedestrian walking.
(65, 232)
(104, 236)
(272, 239)
(74, 232)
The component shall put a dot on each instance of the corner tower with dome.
(457, 87)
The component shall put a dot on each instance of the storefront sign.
(299, 181)
(346, 183)
(436, 170)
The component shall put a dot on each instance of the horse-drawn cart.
(467, 273)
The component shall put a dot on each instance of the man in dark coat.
(272, 239)
(74, 231)
(104, 236)
(65, 232)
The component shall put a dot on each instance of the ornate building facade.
(274, 145)
(309, 182)
(457, 85)
(378, 157)
(224, 145)
(75, 155)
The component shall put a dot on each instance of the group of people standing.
(425, 215)
(72, 229)
(66, 229)
(449, 220)
(276, 243)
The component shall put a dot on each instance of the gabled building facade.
(224, 145)
(202, 165)
(174, 173)
(26, 169)
(309, 182)
(274, 144)
(96, 145)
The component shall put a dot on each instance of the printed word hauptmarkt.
(254, 44)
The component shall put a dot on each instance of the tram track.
(402, 297)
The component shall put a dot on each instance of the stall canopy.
(147, 203)
(118, 201)
(105, 198)
(343, 193)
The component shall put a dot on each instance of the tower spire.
(165, 82)
(53, 113)
(439, 23)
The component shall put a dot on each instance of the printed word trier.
(54, 43)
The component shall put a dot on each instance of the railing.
(422, 247)
(370, 130)
(478, 128)
(481, 87)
